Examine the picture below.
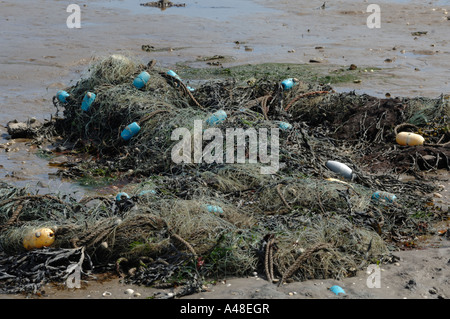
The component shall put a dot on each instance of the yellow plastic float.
(409, 139)
(39, 238)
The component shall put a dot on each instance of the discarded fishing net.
(180, 223)
(157, 239)
(357, 125)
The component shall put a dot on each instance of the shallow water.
(39, 54)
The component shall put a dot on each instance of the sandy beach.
(408, 56)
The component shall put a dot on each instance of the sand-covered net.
(187, 222)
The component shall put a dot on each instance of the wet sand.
(40, 55)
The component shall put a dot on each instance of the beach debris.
(129, 291)
(88, 99)
(141, 80)
(43, 237)
(419, 33)
(285, 126)
(409, 139)
(62, 96)
(121, 196)
(340, 169)
(172, 73)
(216, 118)
(411, 284)
(289, 83)
(162, 4)
(384, 196)
(337, 290)
(130, 131)
(26, 129)
(214, 209)
(172, 240)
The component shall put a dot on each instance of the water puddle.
(21, 166)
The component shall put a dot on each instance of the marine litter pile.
(181, 224)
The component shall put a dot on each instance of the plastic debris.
(288, 83)
(337, 290)
(340, 168)
(384, 196)
(284, 126)
(88, 99)
(172, 73)
(141, 80)
(217, 117)
(39, 238)
(62, 96)
(130, 131)
(409, 139)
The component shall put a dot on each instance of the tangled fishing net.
(180, 223)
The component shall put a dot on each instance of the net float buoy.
(62, 96)
(39, 238)
(340, 168)
(409, 139)
(288, 83)
(141, 80)
(130, 131)
(88, 99)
